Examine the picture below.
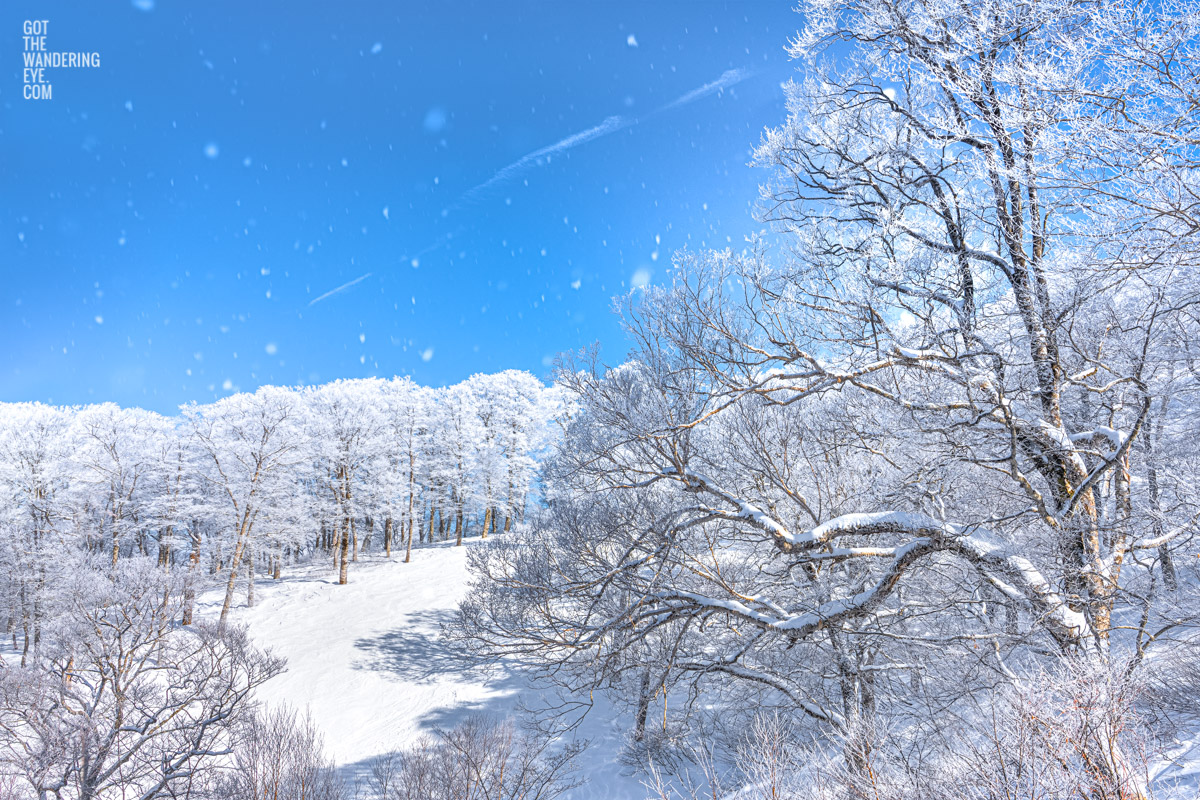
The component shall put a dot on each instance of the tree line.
(244, 486)
(113, 520)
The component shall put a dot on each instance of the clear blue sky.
(489, 174)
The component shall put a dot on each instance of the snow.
(435, 120)
(1115, 439)
(915, 355)
(1059, 436)
(369, 662)
(1179, 771)
(855, 523)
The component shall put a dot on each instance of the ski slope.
(368, 662)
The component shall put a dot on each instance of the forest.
(897, 500)
(115, 518)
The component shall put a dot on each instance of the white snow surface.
(368, 662)
(1177, 775)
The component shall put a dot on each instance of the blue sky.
(268, 192)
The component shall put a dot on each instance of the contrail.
(729, 77)
(611, 125)
(341, 288)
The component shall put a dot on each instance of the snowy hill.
(367, 661)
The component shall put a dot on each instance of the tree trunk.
(1166, 564)
(164, 548)
(411, 500)
(508, 509)
(344, 550)
(408, 547)
(24, 624)
(250, 578)
(336, 547)
(189, 591)
(643, 707)
(243, 533)
(116, 544)
(387, 537)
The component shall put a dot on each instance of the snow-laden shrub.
(280, 755)
(115, 700)
(1067, 734)
(477, 760)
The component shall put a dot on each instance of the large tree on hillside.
(112, 459)
(36, 516)
(346, 424)
(119, 702)
(249, 444)
(458, 440)
(926, 421)
(171, 490)
(408, 410)
(513, 408)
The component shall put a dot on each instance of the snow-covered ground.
(368, 662)
(1178, 775)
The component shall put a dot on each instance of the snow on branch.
(1015, 574)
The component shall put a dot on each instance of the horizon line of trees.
(245, 485)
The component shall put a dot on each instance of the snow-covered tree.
(113, 457)
(170, 490)
(409, 414)
(118, 702)
(514, 412)
(249, 443)
(917, 419)
(346, 424)
(458, 436)
(37, 534)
